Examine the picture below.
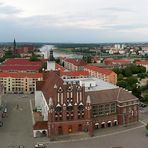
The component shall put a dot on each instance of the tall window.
(113, 108)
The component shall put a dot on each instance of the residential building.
(74, 64)
(24, 49)
(20, 65)
(1, 52)
(19, 82)
(83, 104)
(2, 105)
(119, 62)
(102, 73)
(74, 74)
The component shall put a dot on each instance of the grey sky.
(74, 20)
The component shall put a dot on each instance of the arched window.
(69, 107)
(81, 107)
(60, 89)
(69, 88)
(58, 108)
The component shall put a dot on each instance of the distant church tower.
(14, 47)
(51, 61)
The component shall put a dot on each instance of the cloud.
(7, 9)
(73, 20)
(117, 9)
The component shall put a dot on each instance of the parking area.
(17, 127)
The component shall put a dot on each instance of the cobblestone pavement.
(17, 127)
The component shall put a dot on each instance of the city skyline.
(77, 21)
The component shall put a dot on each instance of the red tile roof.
(51, 79)
(76, 62)
(19, 68)
(75, 73)
(19, 61)
(39, 125)
(21, 75)
(142, 62)
(59, 67)
(120, 61)
(99, 69)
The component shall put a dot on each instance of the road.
(129, 139)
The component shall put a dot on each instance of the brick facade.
(73, 108)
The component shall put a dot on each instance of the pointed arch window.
(69, 107)
(81, 107)
(58, 108)
(60, 89)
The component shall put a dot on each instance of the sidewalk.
(97, 133)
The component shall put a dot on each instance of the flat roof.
(100, 84)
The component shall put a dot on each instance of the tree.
(145, 97)
(120, 77)
(34, 57)
(136, 92)
(122, 83)
(132, 81)
(8, 54)
(117, 71)
(127, 72)
(142, 75)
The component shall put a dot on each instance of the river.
(57, 53)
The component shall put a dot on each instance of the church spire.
(14, 46)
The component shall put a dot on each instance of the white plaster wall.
(88, 83)
(51, 65)
(38, 98)
(40, 102)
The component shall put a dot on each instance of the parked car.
(21, 146)
(1, 123)
(4, 114)
(40, 146)
(141, 104)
